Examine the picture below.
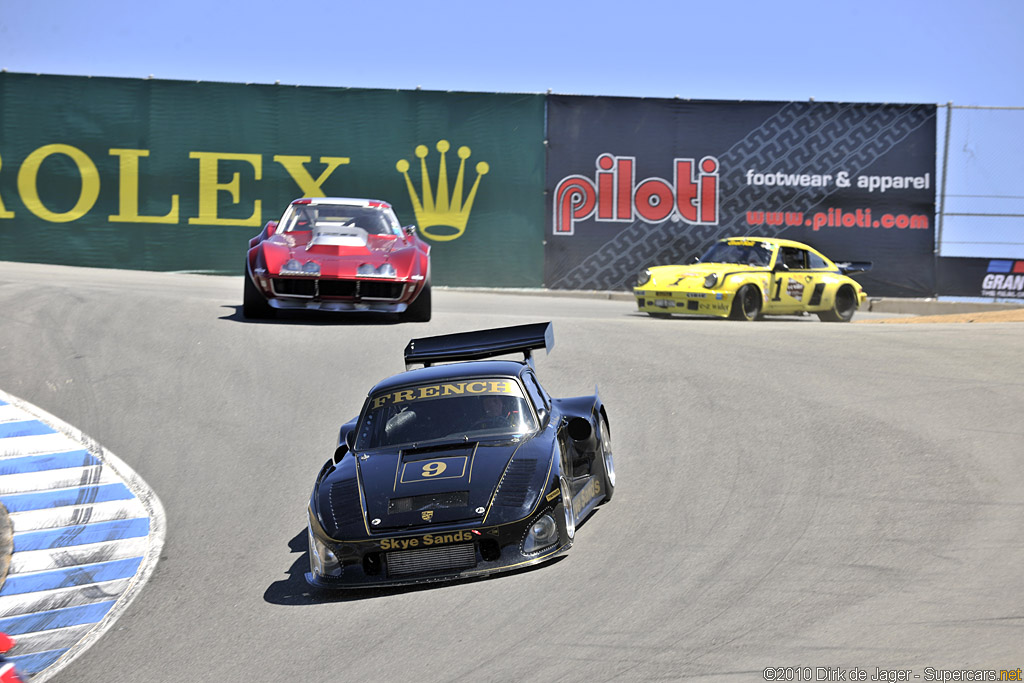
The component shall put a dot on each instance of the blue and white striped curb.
(87, 534)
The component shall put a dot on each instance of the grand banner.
(173, 175)
(996, 278)
(638, 182)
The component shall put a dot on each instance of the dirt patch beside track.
(1013, 315)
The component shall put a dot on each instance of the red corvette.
(338, 254)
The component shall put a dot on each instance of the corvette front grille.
(339, 289)
(294, 287)
(376, 289)
(363, 289)
(428, 560)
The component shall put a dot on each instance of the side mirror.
(780, 267)
(409, 229)
(350, 440)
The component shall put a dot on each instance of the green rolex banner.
(174, 175)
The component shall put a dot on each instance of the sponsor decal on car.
(479, 387)
(589, 491)
(425, 541)
(795, 289)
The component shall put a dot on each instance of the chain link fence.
(980, 210)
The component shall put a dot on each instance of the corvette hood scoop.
(350, 242)
(440, 484)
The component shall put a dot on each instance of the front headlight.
(322, 560)
(711, 280)
(368, 270)
(643, 278)
(543, 534)
(293, 267)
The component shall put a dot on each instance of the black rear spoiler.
(849, 267)
(480, 344)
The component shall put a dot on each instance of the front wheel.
(607, 461)
(746, 305)
(420, 309)
(254, 305)
(567, 509)
(843, 307)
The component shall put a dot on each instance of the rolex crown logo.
(442, 216)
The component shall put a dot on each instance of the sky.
(885, 51)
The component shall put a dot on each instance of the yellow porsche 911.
(746, 278)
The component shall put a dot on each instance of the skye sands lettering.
(211, 166)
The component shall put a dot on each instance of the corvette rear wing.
(848, 267)
(479, 344)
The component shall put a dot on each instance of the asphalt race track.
(791, 493)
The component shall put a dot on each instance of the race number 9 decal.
(432, 469)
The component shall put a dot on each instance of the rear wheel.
(254, 305)
(843, 307)
(746, 305)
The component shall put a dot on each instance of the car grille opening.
(370, 289)
(363, 289)
(338, 289)
(289, 287)
(429, 560)
(429, 501)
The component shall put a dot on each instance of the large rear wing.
(850, 267)
(479, 344)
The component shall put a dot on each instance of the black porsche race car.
(460, 468)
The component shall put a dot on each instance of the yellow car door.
(796, 283)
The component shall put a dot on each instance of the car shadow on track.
(715, 319)
(315, 318)
(294, 591)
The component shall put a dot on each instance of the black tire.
(843, 306)
(419, 310)
(746, 305)
(607, 462)
(254, 305)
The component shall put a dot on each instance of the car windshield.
(458, 410)
(745, 252)
(373, 220)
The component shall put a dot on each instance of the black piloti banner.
(633, 183)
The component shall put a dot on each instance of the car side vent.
(816, 296)
(515, 485)
(343, 498)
